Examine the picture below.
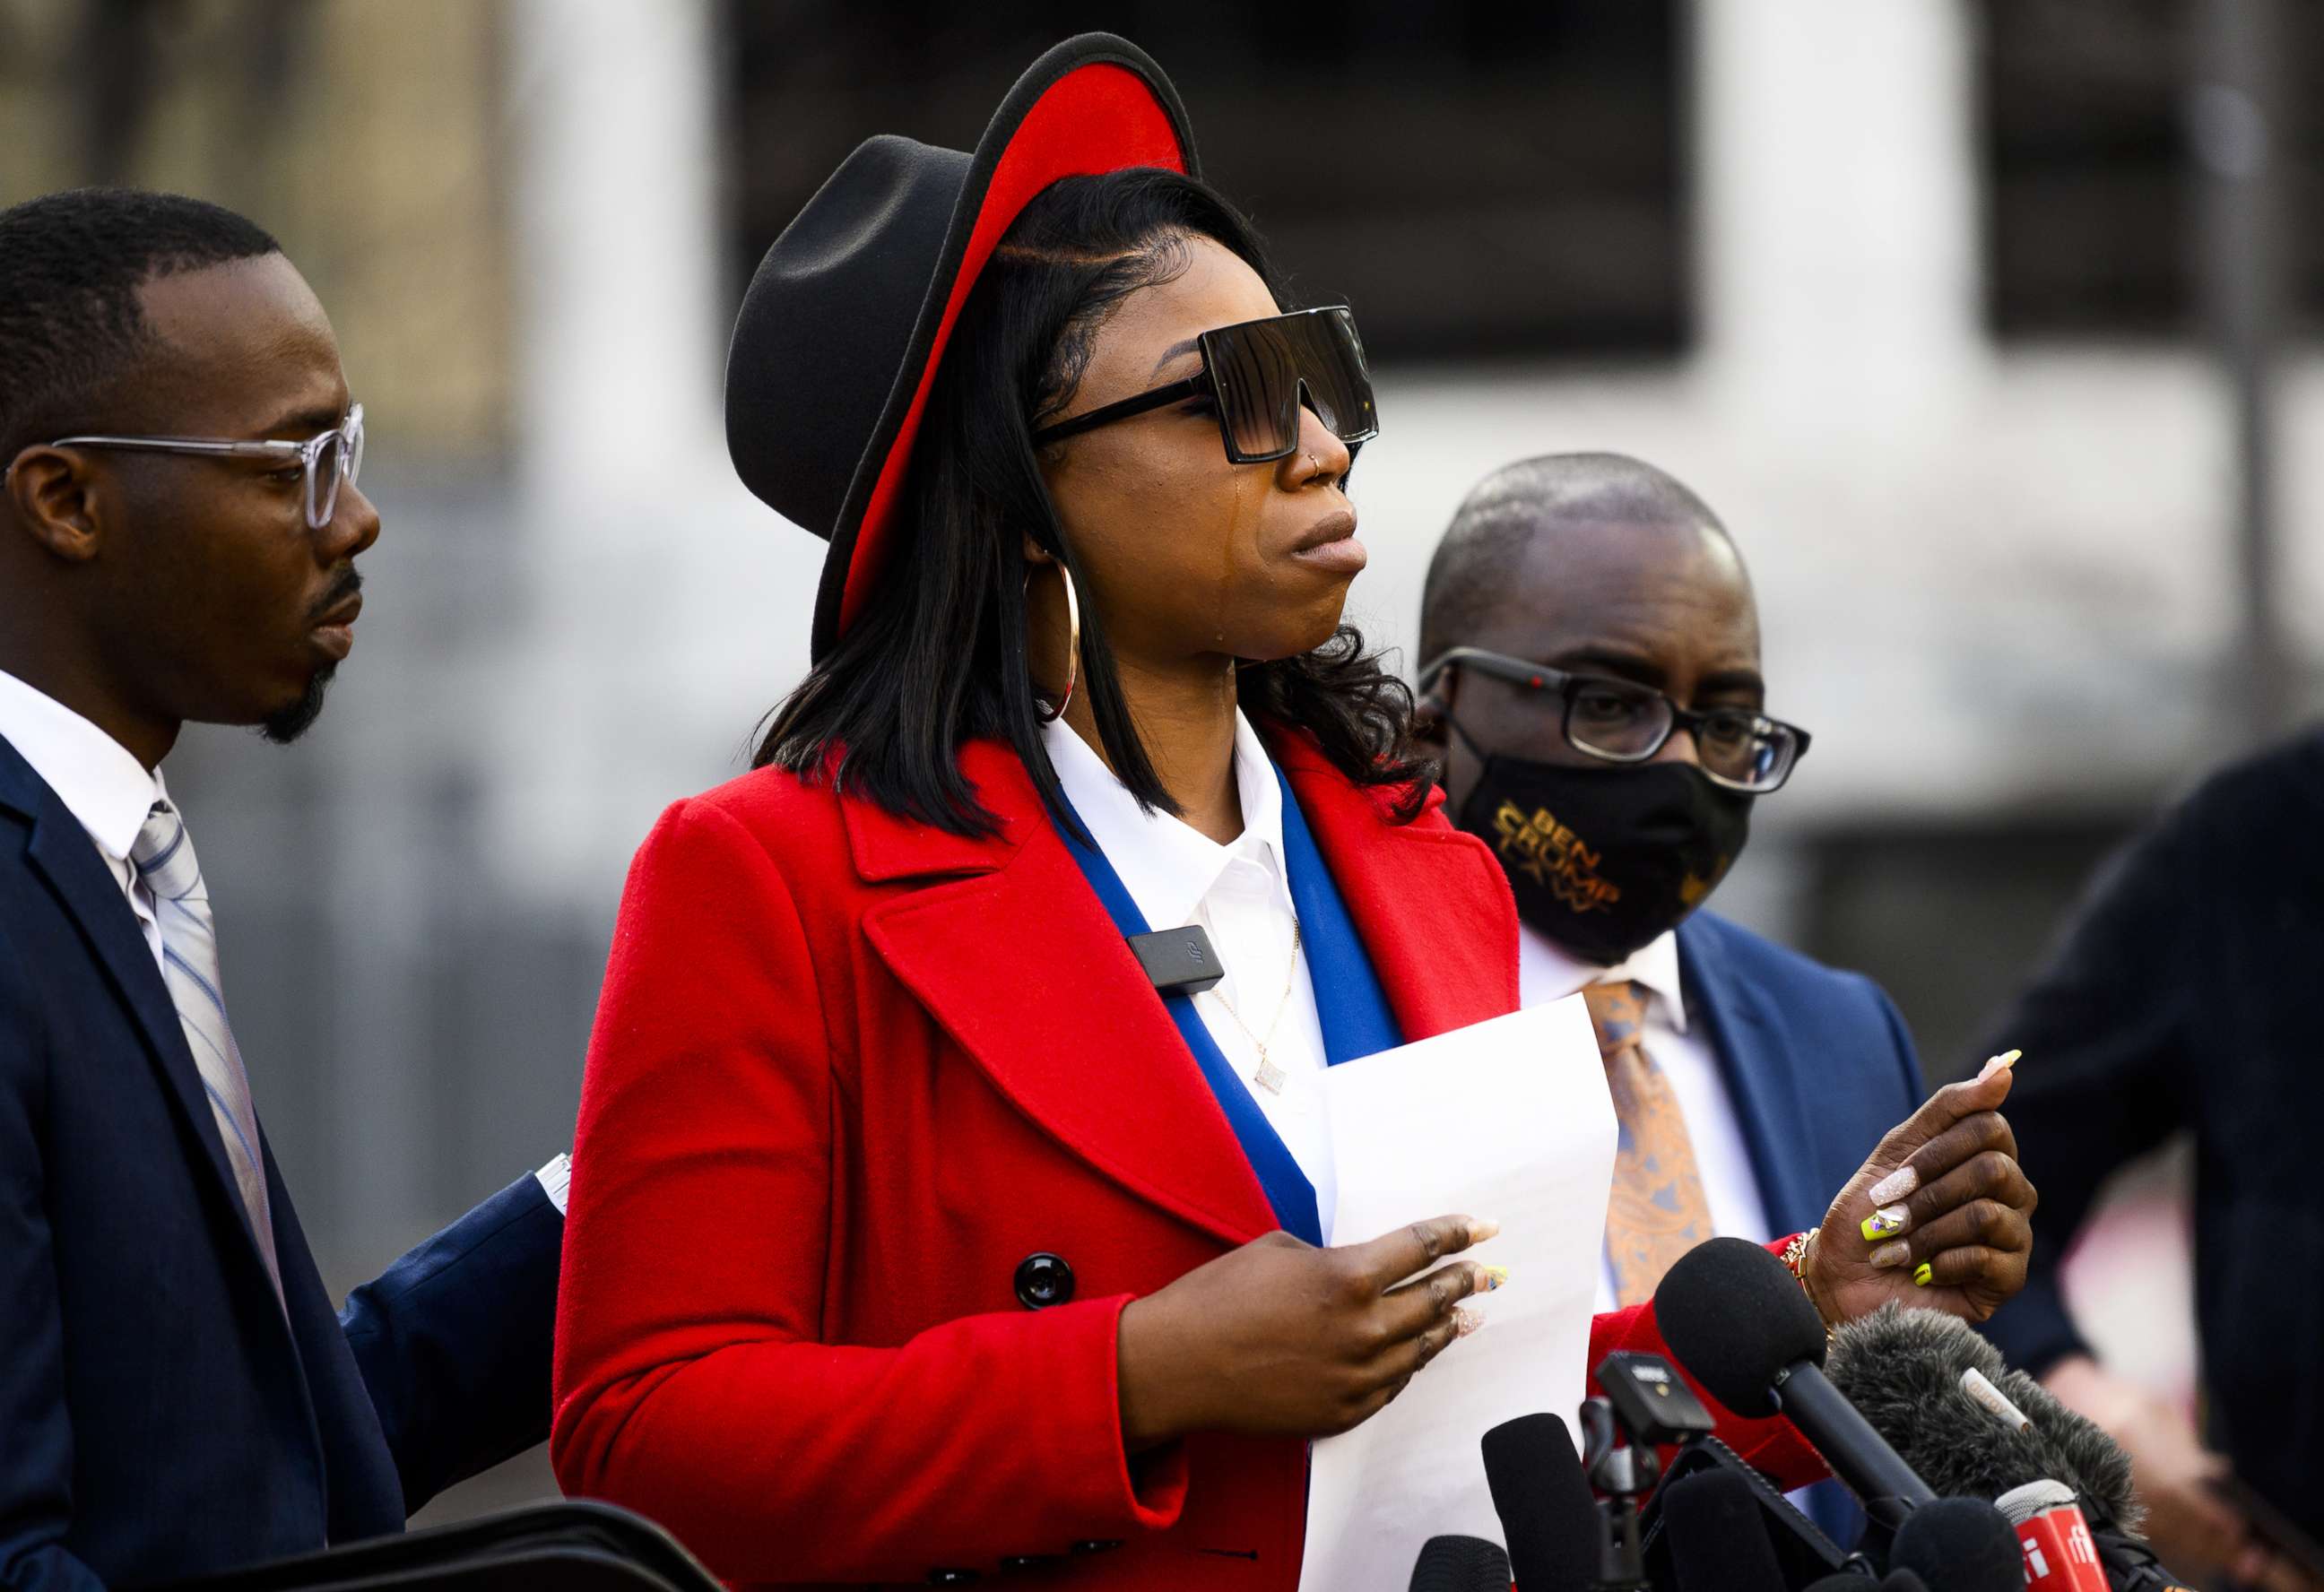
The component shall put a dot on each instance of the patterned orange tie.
(1658, 1210)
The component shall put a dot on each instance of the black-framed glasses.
(1254, 373)
(1624, 722)
(328, 462)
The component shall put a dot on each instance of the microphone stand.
(1624, 1472)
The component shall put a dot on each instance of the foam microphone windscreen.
(1548, 1514)
(1903, 1369)
(1962, 1545)
(1718, 1535)
(1460, 1564)
(1734, 1316)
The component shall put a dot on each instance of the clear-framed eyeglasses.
(328, 461)
(1624, 722)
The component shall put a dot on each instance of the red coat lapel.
(1018, 962)
(1429, 902)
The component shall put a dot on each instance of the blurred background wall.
(1983, 323)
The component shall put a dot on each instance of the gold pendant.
(1270, 1077)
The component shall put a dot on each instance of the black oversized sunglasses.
(1254, 373)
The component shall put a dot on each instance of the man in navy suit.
(178, 528)
(1590, 650)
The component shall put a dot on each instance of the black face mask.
(1605, 859)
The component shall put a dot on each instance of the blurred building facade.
(1912, 293)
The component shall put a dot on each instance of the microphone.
(2060, 1556)
(1959, 1545)
(1903, 1368)
(1460, 1564)
(1717, 1541)
(1737, 1319)
(1546, 1508)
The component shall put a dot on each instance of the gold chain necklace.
(1268, 1077)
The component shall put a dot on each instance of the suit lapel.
(61, 852)
(1757, 1059)
(1018, 962)
(1428, 902)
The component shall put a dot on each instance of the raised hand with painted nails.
(1938, 1217)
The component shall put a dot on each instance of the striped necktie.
(1659, 1209)
(163, 854)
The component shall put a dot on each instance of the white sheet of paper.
(1509, 1120)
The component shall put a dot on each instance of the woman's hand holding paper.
(1281, 1339)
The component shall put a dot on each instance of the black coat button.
(1029, 1560)
(1097, 1545)
(952, 1578)
(1044, 1279)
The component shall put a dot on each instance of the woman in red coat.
(912, 1232)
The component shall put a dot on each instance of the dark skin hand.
(1668, 602)
(145, 590)
(1281, 1339)
(1277, 1337)
(1968, 1214)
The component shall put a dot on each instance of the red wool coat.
(849, 1072)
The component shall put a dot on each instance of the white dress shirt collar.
(101, 784)
(1165, 864)
(1551, 971)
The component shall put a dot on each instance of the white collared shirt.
(1241, 894)
(102, 785)
(1546, 972)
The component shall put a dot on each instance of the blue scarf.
(1349, 1000)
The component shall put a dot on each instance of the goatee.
(292, 721)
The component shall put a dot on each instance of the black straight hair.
(937, 658)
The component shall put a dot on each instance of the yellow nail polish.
(1884, 1223)
(1921, 1275)
(2000, 1063)
(1495, 1276)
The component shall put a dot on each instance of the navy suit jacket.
(1818, 1062)
(1819, 1065)
(161, 1413)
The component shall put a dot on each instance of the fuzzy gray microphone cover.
(1902, 1368)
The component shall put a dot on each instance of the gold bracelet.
(1795, 1261)
(1795, 1256)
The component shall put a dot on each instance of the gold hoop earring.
(1072, 645)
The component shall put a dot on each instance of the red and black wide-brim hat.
(842, 330)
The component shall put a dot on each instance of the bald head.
(1520, 534)
(1595, 564)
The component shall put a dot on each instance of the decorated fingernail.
(1895, 1186)
(1885, 1223)
(1921, 1275)
(1481, 1228)
(2000, 1063)
(1493, 1277)
(1892, 1254)
(1466, 1322)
